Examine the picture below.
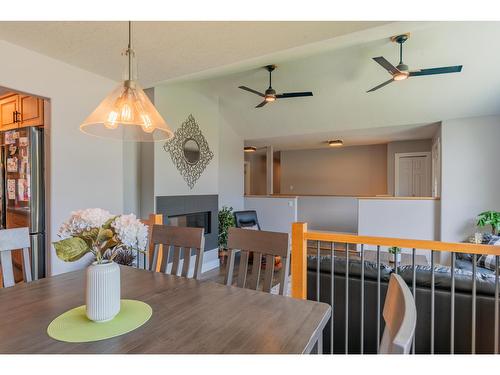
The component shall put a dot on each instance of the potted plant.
(394, 254)
(489, 218)
(107, 237)
(226, 221)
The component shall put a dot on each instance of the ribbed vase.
(102, 295)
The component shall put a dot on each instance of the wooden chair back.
(14, 239)
(260, 243)
(400, 316)
(147, 259)
(175, 240)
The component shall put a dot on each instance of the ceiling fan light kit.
(127, 113)
(402, 72)
(336, 143)
(270, 94)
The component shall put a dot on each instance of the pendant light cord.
(129, 51)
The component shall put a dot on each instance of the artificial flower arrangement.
(109, 237)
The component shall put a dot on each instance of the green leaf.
(104, 235)
(71, 249)
(107, 224)
(89, 236)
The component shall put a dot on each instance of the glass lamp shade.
(127, 114)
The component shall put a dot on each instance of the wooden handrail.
(300, 235)
(453, 247)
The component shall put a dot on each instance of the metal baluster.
(396, 263)
(317, 272)
(332, 291)
(414, 289)
(362, 328)
(378, 298)
(452, 307)
(473, 333)
(346, 298)
(496, 302)
(432, 301)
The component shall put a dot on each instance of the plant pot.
(395, 257)
(102, 295)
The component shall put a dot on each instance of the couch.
(463, 304)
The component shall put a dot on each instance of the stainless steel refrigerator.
(23, 191)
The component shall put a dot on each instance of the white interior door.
(413, 175)
(405, 177)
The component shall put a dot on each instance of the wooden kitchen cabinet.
(31, 109)
(20, 110)
(9, 107)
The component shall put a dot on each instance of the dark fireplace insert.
(193, 220)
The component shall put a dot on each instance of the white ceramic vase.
(102, 295)
(395, 257)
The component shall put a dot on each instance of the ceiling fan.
(270, 94)
(401, 71)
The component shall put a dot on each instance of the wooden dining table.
(189, 317)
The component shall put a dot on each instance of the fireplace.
(194, 220)
(199, 211)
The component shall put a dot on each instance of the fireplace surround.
(192, 210)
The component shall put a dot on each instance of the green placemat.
(74, 326)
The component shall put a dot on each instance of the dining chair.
(174, 240)
(246, 219)
(261, 244)
(400, 316)
(10, 240)
(144, 260)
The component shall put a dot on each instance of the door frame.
(399, 155)
(247, 182)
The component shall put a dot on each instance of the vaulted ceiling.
(169, 50)
(332, 59)
(340, 75)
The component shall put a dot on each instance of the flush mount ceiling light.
(336, 143)
(127, 113)
(249, 149)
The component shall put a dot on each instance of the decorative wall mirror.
(191, 150)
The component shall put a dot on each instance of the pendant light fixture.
(127, 113)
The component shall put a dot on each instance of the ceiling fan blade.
(381, 85)
(294, 94)
(442, 70)
(386, 65)
(261, 104)
(251, 90)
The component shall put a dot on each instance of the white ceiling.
(168, 50)
(340, 75)
(332, 59)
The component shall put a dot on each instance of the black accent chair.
(244, 219)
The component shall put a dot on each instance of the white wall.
(336, 214)
(274, 214)
(353, 170)
(175, 103)
(400, 218)
(231, 158)
(84, 171)
(470, 177)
